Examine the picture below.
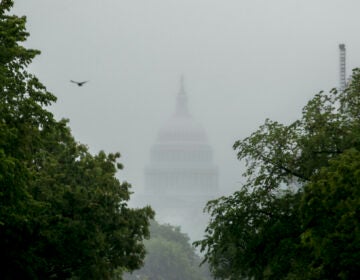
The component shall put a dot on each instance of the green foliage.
(85, 209)
(267, 230)
(330, 213)
(63, 213)
(169, 257)
(253, 234)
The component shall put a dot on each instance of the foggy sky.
(243, 61)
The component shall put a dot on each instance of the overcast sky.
(243, 61)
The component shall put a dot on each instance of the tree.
(21, 101)
(63, 213)
(250, 230)
(169, 256)
(85, 228)
(253, 235)
(330, 213)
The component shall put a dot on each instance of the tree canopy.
(330, 217)
(169, 256)
(282, 223)
(63, 212)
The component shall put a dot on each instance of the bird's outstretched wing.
(78, 83)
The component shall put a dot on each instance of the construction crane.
(342, 68)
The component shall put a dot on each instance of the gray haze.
(243, 61)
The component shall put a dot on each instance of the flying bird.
(80, 84)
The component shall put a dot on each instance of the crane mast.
(342, 68)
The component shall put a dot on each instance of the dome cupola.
(181, 127)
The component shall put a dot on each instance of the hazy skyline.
(243, 62)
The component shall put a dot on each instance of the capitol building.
(181, 176)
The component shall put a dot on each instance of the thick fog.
(243, 61)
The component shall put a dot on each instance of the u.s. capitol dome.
(181, 176)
